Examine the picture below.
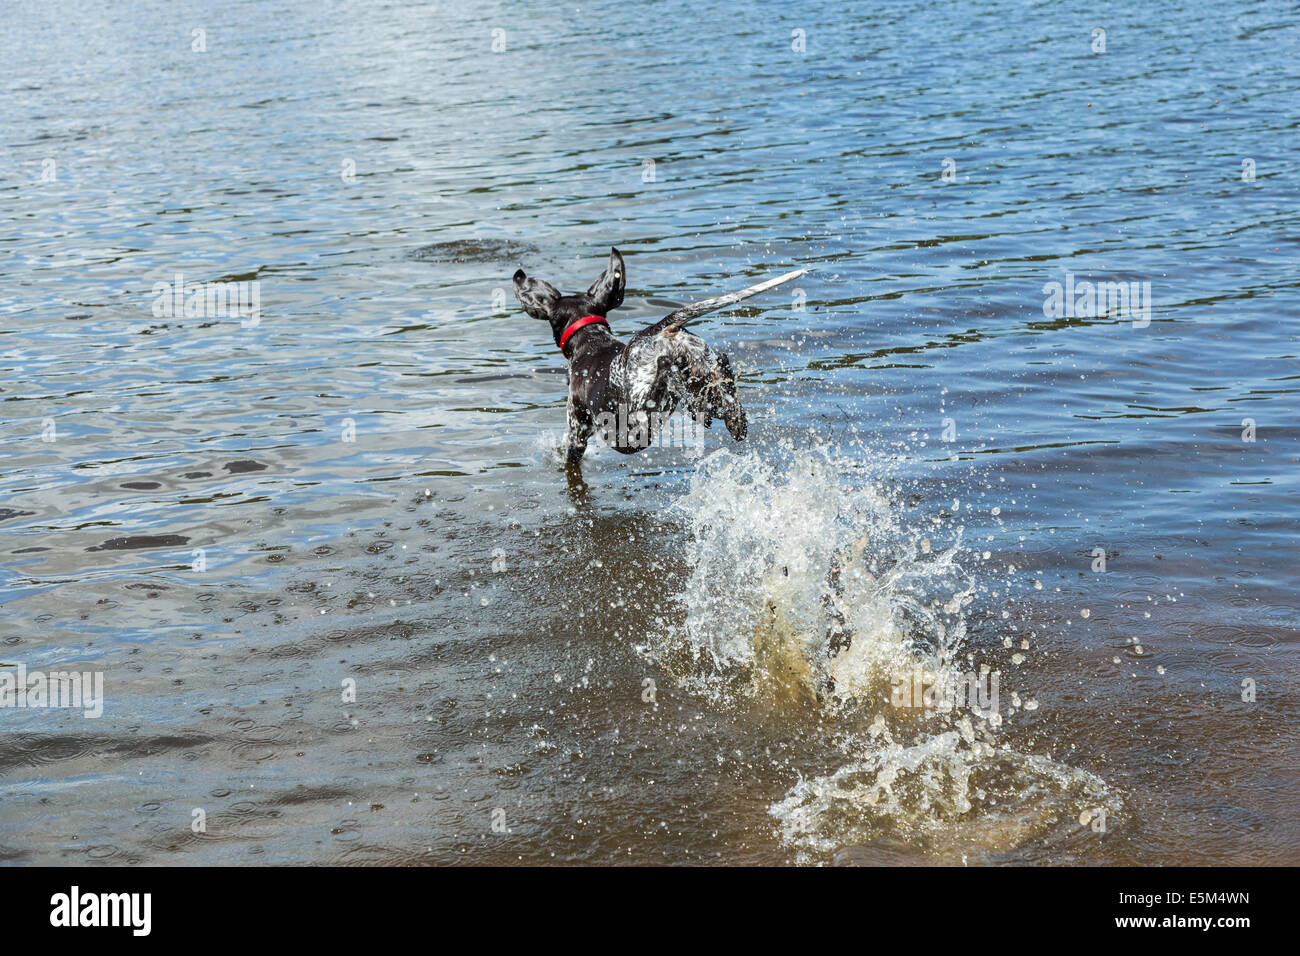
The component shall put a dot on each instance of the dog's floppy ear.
(607, 291)
(537, 296)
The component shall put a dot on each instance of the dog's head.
(542, 300)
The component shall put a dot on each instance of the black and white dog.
(640, 383)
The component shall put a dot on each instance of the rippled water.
(368, 478)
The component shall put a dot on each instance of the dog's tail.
(675, 320)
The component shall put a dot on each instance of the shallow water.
(368, 477)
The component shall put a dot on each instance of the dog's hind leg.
(709, 384)
(657, 372)
(727, 403)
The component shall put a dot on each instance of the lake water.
(348, 608)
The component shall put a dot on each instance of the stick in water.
(675, 320)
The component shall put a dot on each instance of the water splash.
(812, 590)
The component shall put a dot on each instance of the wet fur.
(654, 372)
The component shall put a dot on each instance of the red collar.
(585, 320)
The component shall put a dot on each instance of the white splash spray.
(811, 589)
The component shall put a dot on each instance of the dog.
(638, 384)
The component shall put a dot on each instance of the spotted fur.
(644, 380)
